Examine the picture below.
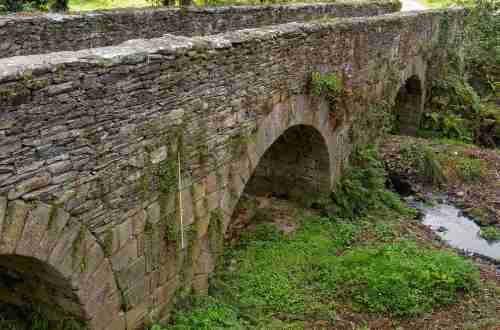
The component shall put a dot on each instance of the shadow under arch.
(409, 105)
(29, 287)
(295, 166)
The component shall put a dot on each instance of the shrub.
(362, 187)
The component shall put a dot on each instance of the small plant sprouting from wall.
(327, 85)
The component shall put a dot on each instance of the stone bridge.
(121, 166)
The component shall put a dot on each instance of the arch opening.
(408, 106)
(32, 291)
(296, 164)
(296, 168)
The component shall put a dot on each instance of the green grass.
(279, 282)
(86, 5)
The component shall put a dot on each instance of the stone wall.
(24, 35)
(94, 141)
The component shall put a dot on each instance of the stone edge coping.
(137, 51)
(56, 17)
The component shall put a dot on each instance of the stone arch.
(409, 105)
(53, 261)
(299, 112)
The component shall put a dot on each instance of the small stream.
(457, 230)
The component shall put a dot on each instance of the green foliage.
(327, 85)
(404, 279)
(482, 41)
(490, 233)
(454, 94)
(362, 187)
(7, 6)
(446, 125)
(421, 159)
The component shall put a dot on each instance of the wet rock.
(442, 229)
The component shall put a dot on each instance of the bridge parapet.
(26, 35)
(100, 137)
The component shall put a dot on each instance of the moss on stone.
(53, 212)
(78, 252)
(215, 231)
(108, 242)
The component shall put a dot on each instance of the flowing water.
(458, 230)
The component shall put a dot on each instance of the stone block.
(137, 315)
(200, 284)
(125, 256)
(158, 155)
(62, 253)
(131, 275)
(3, 211)
(13, 226)
(34, 230)
(57, 222)
(136, 295)
(153, 211)
(122, 233)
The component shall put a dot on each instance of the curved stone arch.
(299, 110)
(409, 99)
(69, 262)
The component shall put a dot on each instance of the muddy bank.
(469, 176)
